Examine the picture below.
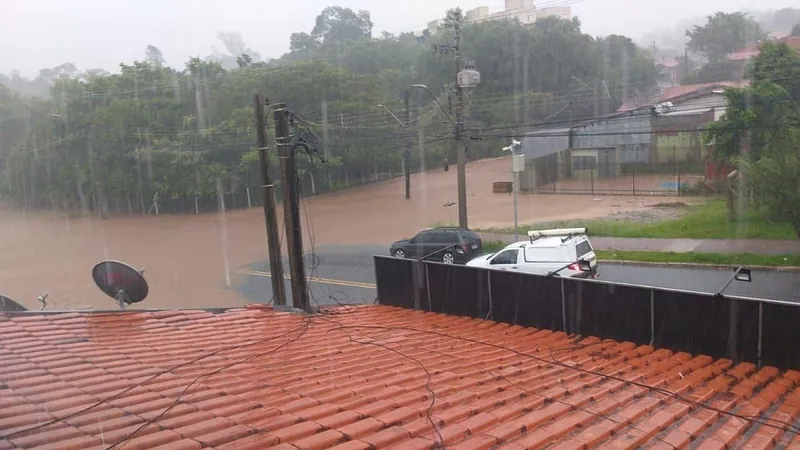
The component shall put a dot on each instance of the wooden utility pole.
(461, 146)
(407, 151)
(270, 210)
(291, 209)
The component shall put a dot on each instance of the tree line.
(115, 142)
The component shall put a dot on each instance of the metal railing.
(764, 332)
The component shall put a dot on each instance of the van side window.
(506, 257)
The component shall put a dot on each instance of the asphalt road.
(346, 275)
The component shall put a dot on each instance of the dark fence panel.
(401, 282)
(781, 335)
(458, 290)
(759, 331)
(697, 323)
(525, 300)
(607, 310)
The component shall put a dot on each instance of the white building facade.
(523, 10)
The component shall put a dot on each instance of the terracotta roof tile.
(252, 378)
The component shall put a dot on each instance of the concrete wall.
(684, 146)
(679, 137)
(545, 142)
(630, 133)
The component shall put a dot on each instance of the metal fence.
(668, 179)
(742, 329)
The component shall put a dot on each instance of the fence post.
(428, 284)
(679, 179)
(733, 338)
(491, 305)
(675, 166)
(760, 329)
(416, 273)
(249, 203)
(652, 317)
(563, 307)
(634, 175)
(591, 175)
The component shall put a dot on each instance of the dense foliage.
(722, 34)
(760, 131)
(112, 142)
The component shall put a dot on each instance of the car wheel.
(448, 258)
(399, 253)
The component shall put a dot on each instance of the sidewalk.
(757, 246)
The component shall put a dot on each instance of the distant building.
(743, 55)
(523, 10)
(670, 71)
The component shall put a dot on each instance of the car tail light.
(574, 267)
(465, 246)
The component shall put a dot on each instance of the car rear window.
(470, 235)
(583, 248)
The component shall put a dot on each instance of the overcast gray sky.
(102, 33)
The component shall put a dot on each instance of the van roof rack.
(564, 233)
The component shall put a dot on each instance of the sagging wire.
(141, 384)
(306, 137)
(123, 441)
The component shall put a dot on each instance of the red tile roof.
(669, 62)
(675, 92)
(753, 50)
(366, 378)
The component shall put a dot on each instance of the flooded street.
(185, 255)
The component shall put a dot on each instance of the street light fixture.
(422, 86)
(392, 114)
(740, 274)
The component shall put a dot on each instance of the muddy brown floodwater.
(186, 257)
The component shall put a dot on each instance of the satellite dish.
(121, 282)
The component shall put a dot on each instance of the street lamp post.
(407, 151)
(461, 159)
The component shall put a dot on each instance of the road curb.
(696, 265)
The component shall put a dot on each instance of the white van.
(565, 252)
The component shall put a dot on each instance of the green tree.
(722, 34)
(338, 24)
(760, 131)
(774, 176)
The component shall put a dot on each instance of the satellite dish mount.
(121, 282)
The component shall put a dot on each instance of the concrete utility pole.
(407, 152)
(466, 78)
(270, 210)
(291, 209)
(461, 146)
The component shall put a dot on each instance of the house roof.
(754, 49)
(366, 378)
(669, 62)
(675, 92)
